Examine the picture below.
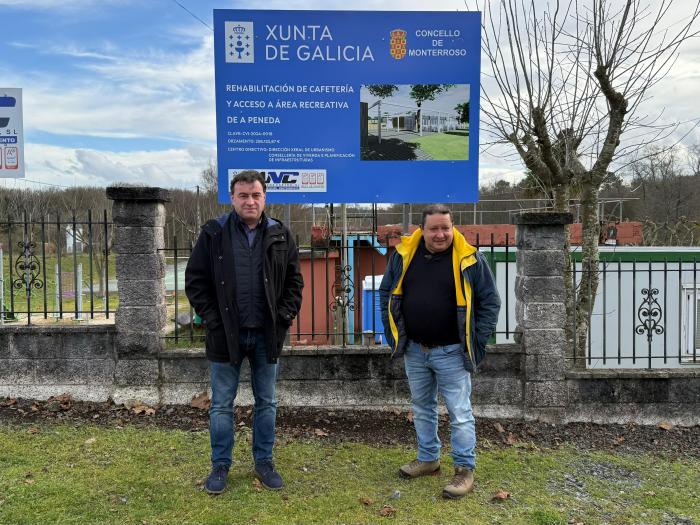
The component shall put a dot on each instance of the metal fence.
(645, 312)
(56, 267)
(340, 303)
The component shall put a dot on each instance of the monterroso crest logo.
(397, 44)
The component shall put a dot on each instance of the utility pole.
(345, 267)
(199, 218)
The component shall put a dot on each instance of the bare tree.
(694, 160)
(87, 205)
(209, 178)
(668, 194)
(204, 204)
(569, 78)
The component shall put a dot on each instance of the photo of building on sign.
(414, 122)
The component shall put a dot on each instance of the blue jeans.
(441, 370)
(224, 386)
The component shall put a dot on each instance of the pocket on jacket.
(215, 340)
(480, 350)
(212, 324)
(279, 255)
(281, 335)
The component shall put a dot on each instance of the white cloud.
(57, 4)
(36, 5)
(77, 52)
(22, 45)
(369, 5)
(108, 90)
(491, 171)
(153, 94)
(86, 167)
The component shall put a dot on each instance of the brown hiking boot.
(462, 484)
(416, 469)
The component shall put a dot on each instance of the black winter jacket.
(210, 287)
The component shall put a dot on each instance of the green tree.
(382, 90)
(462, 112)
(422, 92)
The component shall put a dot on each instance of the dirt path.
(372, 427)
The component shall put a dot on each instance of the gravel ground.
(372, 427)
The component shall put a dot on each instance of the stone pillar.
(541, 311)
(138, 214)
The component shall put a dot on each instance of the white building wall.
(614, 342)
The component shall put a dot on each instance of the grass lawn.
(445, 146)
(62, 474)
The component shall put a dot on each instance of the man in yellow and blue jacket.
(439, 307)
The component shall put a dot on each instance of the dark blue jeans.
(224, 386)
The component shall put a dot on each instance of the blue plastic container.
(368, 312)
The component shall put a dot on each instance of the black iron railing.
(341, 293)
(644, 312)
(55, 267)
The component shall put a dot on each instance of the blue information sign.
(349, 106)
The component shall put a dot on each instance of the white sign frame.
(11, 134)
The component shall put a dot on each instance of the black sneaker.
(216, 482)
(268, 476)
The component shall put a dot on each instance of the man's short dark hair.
(432, 209)
(249, 176)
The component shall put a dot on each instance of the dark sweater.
(248, 265)
(429, 298)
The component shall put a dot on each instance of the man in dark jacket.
(243, 280)
(439, 306)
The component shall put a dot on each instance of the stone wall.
(634, 396)
(540, 311)
(138, 215)
(39, 362)
(529, 379)
(364, 377)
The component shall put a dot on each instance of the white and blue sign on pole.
(349, 106)
(11, 134)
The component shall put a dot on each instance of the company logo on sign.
(397, 44)
(11, 161)
(6, 102)
(281, 177)
(240, 42)
(290, 180)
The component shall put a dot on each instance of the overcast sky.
(123, 90)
